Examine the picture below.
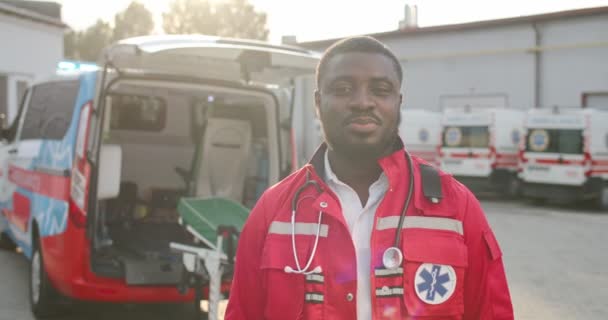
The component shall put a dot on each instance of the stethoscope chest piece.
(392, 258)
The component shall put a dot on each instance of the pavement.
(556, 259)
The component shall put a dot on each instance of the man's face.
(358, 102)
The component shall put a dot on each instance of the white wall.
(479, 66)
(30, 51)
(576, 62)
(496, 65)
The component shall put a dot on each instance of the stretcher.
(215, 224)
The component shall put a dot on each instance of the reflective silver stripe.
(302, 228)
(314, 297)
(315, 277)
(388, 272)
(387, 292)
(421, 222)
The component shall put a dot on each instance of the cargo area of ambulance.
(190, 131)
(479, 147)
(565, 155)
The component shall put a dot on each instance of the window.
(568, 141)
(50, 110)
(134, 112)
(466, 137)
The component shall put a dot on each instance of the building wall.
(479, 67)
(575, 62)
(30, 52)
(499, 65)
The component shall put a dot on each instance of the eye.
(342, 89)
(382, 90)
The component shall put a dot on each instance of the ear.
(317, 102)
(400, 99)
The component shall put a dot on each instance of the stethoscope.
(392, 257)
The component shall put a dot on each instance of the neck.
(354, 172)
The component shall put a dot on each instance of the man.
(331, 257)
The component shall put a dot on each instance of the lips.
(362, 124)
(359, 119)
(362, 120)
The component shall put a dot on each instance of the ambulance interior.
(178, 140)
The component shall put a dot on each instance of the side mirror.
(110, 167)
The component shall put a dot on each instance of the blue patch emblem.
(515, 136)
(435, 283)
(453, 136)
(539, 140)
(423, 135)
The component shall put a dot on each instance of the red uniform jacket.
(452, 267)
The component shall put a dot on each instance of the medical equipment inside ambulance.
(202, 134)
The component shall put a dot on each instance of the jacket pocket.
(435, 265)
(285, 292)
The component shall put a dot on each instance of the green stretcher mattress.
(205, 215)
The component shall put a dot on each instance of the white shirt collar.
(331, 177)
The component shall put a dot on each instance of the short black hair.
(365, 44)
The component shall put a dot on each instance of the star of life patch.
(434, 283)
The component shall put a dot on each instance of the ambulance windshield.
(567, 141)
(466, 137)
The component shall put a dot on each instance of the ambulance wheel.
(43, 296)
(6, 243)
(513, 188)
(603, 200)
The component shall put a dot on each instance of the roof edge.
(471, 25)
(30, 15)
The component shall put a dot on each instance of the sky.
(312, 20)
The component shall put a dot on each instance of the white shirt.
(360, 222)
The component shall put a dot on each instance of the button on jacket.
(452, 266)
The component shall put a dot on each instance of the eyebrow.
(349, 78)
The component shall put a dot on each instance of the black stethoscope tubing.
(392, 257)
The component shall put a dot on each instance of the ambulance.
(480, 147)
(420, 131)
(565, 155)
(95, 163)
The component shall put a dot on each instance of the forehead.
(360, 65)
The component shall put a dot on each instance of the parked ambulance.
(420, 131)
(480, 147)
(565, 155)
(95, 163)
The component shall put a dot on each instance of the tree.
(189, 16)
(238, 19)
(70, 44)
(90, 42)
(230, 18)
(135, 20)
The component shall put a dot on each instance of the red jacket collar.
(394, 166)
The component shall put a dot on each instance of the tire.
(183, 311)
(538, 201)
(602, 201)
(43, 296)
(513, 188)
(6, 243)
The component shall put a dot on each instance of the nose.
(362, 99)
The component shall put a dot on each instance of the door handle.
(12, 151)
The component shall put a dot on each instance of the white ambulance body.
(420, 131)
(565, 155)
(480, 146)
